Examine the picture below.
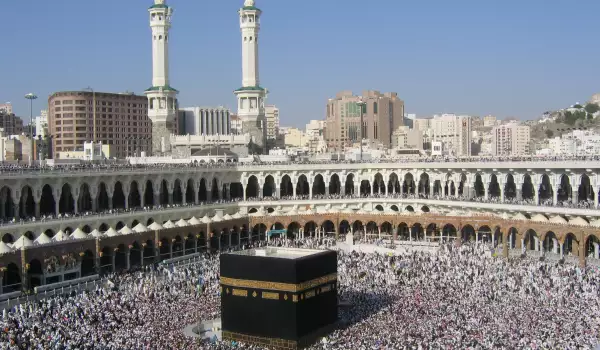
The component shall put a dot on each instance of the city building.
(251, 96)
(11, 124)
(41, 123)
(294, 137)
(6, 108)
(409, 120)
(205, 121)
(407, 138)
(90, 151)
(235, 124)
(489, 121)
(381, 115)
(454, 131)
(510, 140)
(272, 118)
(315, 142)
(162, 102)
(120, 120)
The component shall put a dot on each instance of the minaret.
(162, 98)
(251, 96)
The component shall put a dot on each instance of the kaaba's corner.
(281, 298)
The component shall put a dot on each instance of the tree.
(577, 106)
(592, 108)
(549, 133)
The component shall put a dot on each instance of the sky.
(509, 58)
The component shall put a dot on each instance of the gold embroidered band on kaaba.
(282, 287)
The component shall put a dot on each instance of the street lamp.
(31, 97)
(361, 104)
(93, 112)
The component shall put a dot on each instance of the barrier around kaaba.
(280, 298)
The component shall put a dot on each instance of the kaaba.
(280, 298)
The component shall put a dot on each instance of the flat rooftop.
(277, 252)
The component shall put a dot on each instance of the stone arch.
(564, 189)
(585, 191)
(293, 229)
(550, 242)
(379, 186)
(8, 238)
(328, 228)
(349, 184)
(119, 225)
(252, 210)
(438, 190)
(510, 188)
(190, 196)
(26, 202)
(66, 204)
(202, 190)
(178, 195)
(86, 228)
(149, 194)
(84, 202)
(365, 188)
(425, 209)
(286, 188)
(592, 244)
(494, 187)
(545, 189)
(335, 185)
(379, 207)
(318, 187)
(302, 186)
(409, 208)
(106, 254)
(393, 183)
(118, 199)
(310, 228)
(269, 187)
(49, 232)
(461, 185)
(11, 278)
(344, 227)
(120, 254)
(135, 197)
(215, 193)
(47, 202)
(403, 231)
(259, 231)
(357, 226)
(570, 244)
(7, 208)
(424, 185)
(449, 232)
(387, 228)
(527, 188)
(408, 185)
(530, 240)
(478, 186)
(394, 207)
(252, 187)
(468, 233)
(417, 232)
(163, 197)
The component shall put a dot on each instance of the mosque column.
(229, 239)
(501, 186)
(15, 199)
(505, 245)
(555, 187)
(76, 196)
(142, 254)
(127, 257)
(56, 194)
(596, 252)
(519, 190)
(170, 189)
(156, 198)
(142, 192)
(310, 190)
(581, 250)
(171, 249)
(209, 197)
(113, 262)
(596, 196)
(536, 193)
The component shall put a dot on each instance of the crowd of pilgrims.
(460, 297)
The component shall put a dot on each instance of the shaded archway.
(8, 238)
(564, 189)
(7, 207)
(494, 187)
(408, 185)
(527, 189)
(118, 199)
(349, 184)
(66, 204)
(585, 191)
(26, 203)
(318, 188)
(379, 186)
(550, 243)
(510, 188)
(35, 272)
(393, 184)
(84, 202)
(334, 185)
(310, 229)
(149, 194)
(190, 196)
(530, 240)
(252, 188)
(215, 193)
(135, 198)
(478, 186)
(365, 188)
(269, 187)
(202, 191)
(177, 192)
(424, 185)
(286, 188)
(302, 186)
(545, 189)
(344, 227)
(449, 232)
(403, 232)
(163, 197)
(468, 233)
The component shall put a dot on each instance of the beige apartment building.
(510, 140)
(121, 120)
(382, 114)
(272, 119)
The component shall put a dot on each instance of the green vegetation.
(578, 106)
(592, 108)
(570, 118)
(549, 133)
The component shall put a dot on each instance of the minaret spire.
(162, 100)
(251, 96)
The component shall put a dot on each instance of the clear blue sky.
(507, 58)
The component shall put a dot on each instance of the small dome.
(539, 218)
(96, 233)
(181, 223)
(42, 239)
(125, 230)
(60, 236)
(292, 212)
(23, 241)
(206, 220)
(139, 228)
(111, 232)
(237, 215)
(595, 223)
(579, 221)
(79, 234)
(227, 217)
(216, 218)
(194, 221)
(520, 217)
(155, 226)
(169, 224)
(558, 220)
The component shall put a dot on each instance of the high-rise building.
(162, 98)
(41, 123)
(489, 121)
(10, 123)
(272, 118)
(121, 120)
(510, 140)
(381, 115)
(6, 108)
(251, 96)
(205, 121)
(454, 133)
